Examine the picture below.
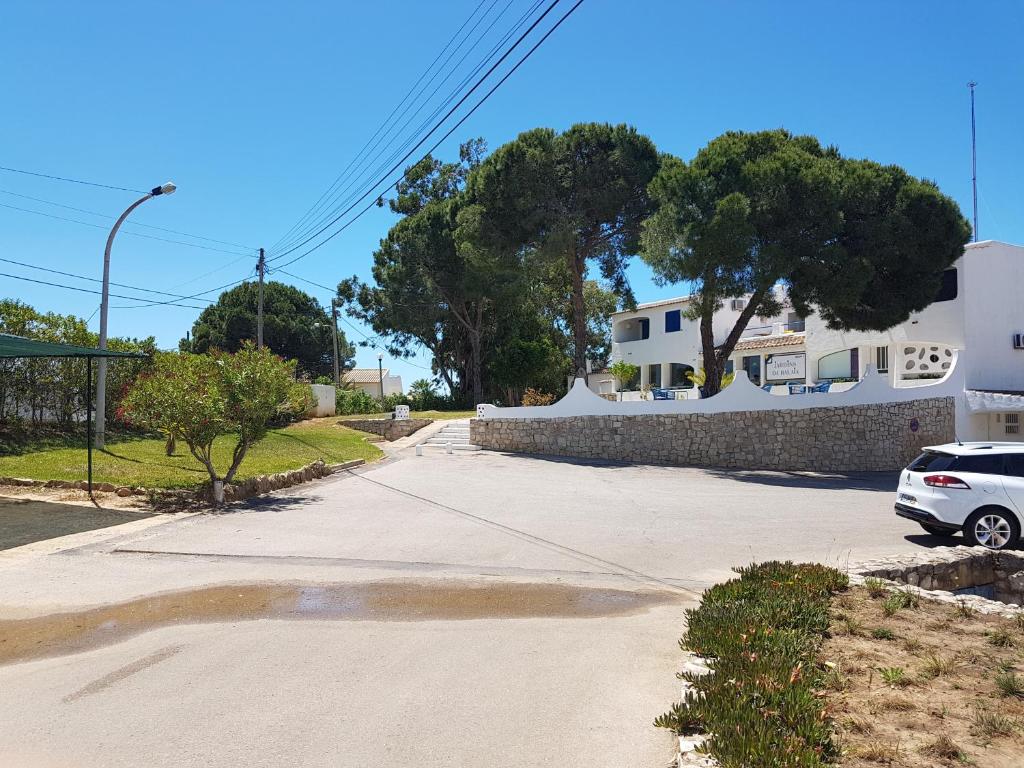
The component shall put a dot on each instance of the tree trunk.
(716, 358)
(577, 266)
(170, 445)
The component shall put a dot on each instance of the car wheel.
(992, 528)
(936, 530)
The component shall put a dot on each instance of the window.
(1015, 464)
(932, 461)
(882, 359)
(948, 290)
(645, 328)
(838, 365)
(981, 463)
(677, 375)
(673, 321)
(654, 375)
(794, 322)
(1011, 423)
(752, 365)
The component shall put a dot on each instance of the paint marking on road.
(123, 672)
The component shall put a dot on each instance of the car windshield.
(932, 461)
(936, 461)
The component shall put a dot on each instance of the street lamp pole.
(101, 363)
(380, 369)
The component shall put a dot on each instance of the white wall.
(993, 287)
(326, 402)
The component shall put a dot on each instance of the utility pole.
(974, 162)
(380, 369)
(337, 365)
(261, 267)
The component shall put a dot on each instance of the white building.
(980, 309)
(369, 380)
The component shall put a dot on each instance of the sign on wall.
(785, 367)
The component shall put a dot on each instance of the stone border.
(253, 486)
(952, 564)
(687, 754)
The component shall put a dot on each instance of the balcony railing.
(775, 329)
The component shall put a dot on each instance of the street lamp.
(380, 369)
(101, 366)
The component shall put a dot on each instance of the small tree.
(624, 373)
(197, 398)
(862, 244)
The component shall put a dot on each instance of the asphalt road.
(529, 680)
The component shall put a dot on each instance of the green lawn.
(141, 462)
(416, 415)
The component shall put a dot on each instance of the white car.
(977, 488)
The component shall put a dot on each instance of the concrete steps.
(455, 434)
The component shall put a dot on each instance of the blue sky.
(254, 108)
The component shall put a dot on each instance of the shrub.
(1010, 685)
(881, 633)
(875, 587)
(1001, 638)
(323, 380)
(760, 634)
(351, 401)
(533, 397)
(196, 398)
(894, 676)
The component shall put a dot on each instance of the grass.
(141, 461)
(437, 415)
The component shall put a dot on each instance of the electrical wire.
(438, 143)
(93, 279)
(437, 126)
(72, 181)
(193, 296)
(356, 182)
(372, 340)
(127, 223)
(314, 208)
(86, 290)
(101, 226)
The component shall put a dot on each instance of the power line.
(193, 296)
(92, 279)
(72, 181)
(101, 226)
(440, 141)
(423, 125)
(345, 320)
(86, 290)
(314, 208)
(127, 223)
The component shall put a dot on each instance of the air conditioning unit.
(739, 304)
(1018, 341)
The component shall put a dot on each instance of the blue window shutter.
(673, 321)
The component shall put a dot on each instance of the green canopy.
(18, 346)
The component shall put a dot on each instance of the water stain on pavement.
(63, 633)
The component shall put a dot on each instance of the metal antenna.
(974, 162)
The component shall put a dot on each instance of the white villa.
(980, 310)
(369, 380)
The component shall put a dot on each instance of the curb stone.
(253, 486)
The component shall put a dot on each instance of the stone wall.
(389, 429)
(873, 437)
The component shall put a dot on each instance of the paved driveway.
(529, 686)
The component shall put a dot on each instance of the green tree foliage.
(623, 372)
(295, 326)
(196, 398)
(862, 244)
(434, 285)
(53, 389)
(572, 198)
